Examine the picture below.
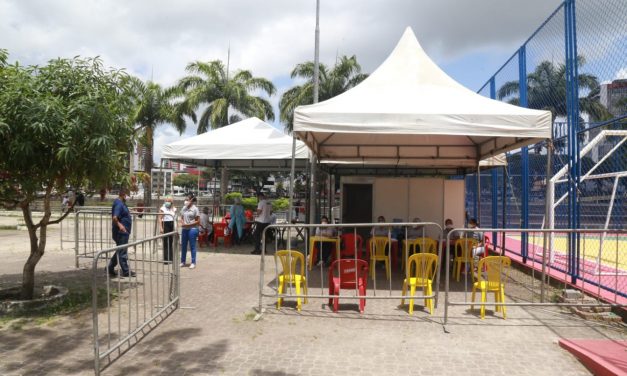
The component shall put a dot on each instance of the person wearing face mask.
(121, 229)
(326, 248)
(190, 218)
(167, 213)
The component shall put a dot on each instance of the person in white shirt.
(264, 213)
(167, 212)
(205, 225)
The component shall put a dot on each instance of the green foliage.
(280, 204)
(65, 123)
(546, 90)
(250, 203)
(229, 198)
(210, 84)
(344, 75)
(187, 181)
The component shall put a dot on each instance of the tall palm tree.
(344, 75)
(546, 90)
(226, 97)
(155, 106)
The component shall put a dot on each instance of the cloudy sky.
(469, 39)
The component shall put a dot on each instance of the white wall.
(430, 199)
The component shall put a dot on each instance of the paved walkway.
(214, 332)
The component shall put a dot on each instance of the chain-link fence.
(573, 65)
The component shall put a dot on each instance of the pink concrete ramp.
(601, 356)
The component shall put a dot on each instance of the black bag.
(80, 199)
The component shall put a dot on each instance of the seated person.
(325, 249)
(448, 227)
(206, 227)
(477, 235)
(415, 231)
(380, 230)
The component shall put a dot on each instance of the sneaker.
(130, 274)
(255, 252)
(192, 266)
(182, 265)
(319, 263)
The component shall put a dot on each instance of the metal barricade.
(601, 260)
(92, 230)
(286, 238)
(125, 309)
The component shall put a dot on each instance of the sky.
(156, 39)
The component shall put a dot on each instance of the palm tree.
(546, 90)
(226, 97)
(155, 106)
(345, 75)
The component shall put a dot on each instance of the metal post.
(495, 183)
(316, 85)
(524, 153)
(478, 217)
(504, 209)
(572, 106)
(548, 207)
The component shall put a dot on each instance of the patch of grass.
(75, 301)
(249, 316)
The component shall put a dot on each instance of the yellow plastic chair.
(378, 245)
(293, 273)
(425, 244)
(463, 255)
(492, 272)
(420, 271)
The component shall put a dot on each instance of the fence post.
(572, 117)
(495, 181)
(524, 154)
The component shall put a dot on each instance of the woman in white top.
(167, 212)
(190, 218)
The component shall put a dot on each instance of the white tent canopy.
(248, 144)
(409, 113)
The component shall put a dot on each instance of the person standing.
(190, 217)
(167, 212)
(238, 220)
(121, 229)
(264, 212)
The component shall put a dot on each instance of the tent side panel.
(454, 201)
(426, 197)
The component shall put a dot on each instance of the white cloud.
(158, 38)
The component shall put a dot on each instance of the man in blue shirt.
(121, 229)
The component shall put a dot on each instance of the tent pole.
(504, 209)
(478, 195)
(291, 190)
(547, 212)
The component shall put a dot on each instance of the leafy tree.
(65, 123)
(344, 75)
(226, 98)
(546, 90)
(187, 181)
(155, 106)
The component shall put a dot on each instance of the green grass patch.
(75, 301)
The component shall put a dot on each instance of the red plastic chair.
(349, 278)
(348, 246)
(203, 239)
(218, 232)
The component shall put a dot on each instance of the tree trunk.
(148, 163)
(37, 246)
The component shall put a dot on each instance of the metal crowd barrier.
(126, 309)
(372, 292)
(551, 265)
(92, 230)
